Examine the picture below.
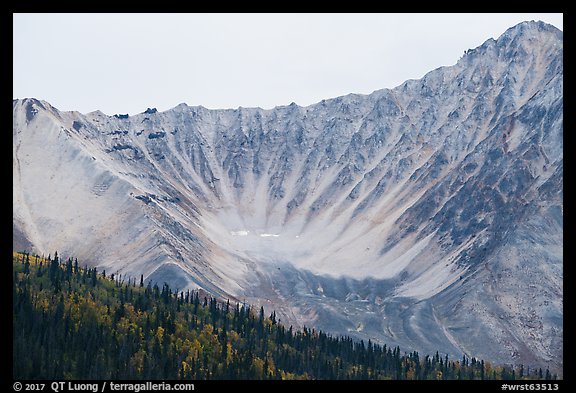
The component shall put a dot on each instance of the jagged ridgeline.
(428, 216)
(73, 322)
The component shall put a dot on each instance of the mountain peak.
(527, 31)
(523, 40)
(531, 27)
(28, 101)
(375, 215)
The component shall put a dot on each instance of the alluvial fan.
(428, 216)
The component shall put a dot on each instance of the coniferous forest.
(73, 322)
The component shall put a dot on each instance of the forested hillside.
(73, 322)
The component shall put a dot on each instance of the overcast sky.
(125, 63)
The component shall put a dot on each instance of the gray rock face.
(428, 216)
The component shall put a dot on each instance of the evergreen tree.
(95, 328)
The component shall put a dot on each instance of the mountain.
(117, 330)
(428, 216)
(179, 336)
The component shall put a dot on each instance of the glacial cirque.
(429, 215)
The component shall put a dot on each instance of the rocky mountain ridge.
(429, 215)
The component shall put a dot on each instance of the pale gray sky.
(124, 63)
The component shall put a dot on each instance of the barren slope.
(428, 216)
